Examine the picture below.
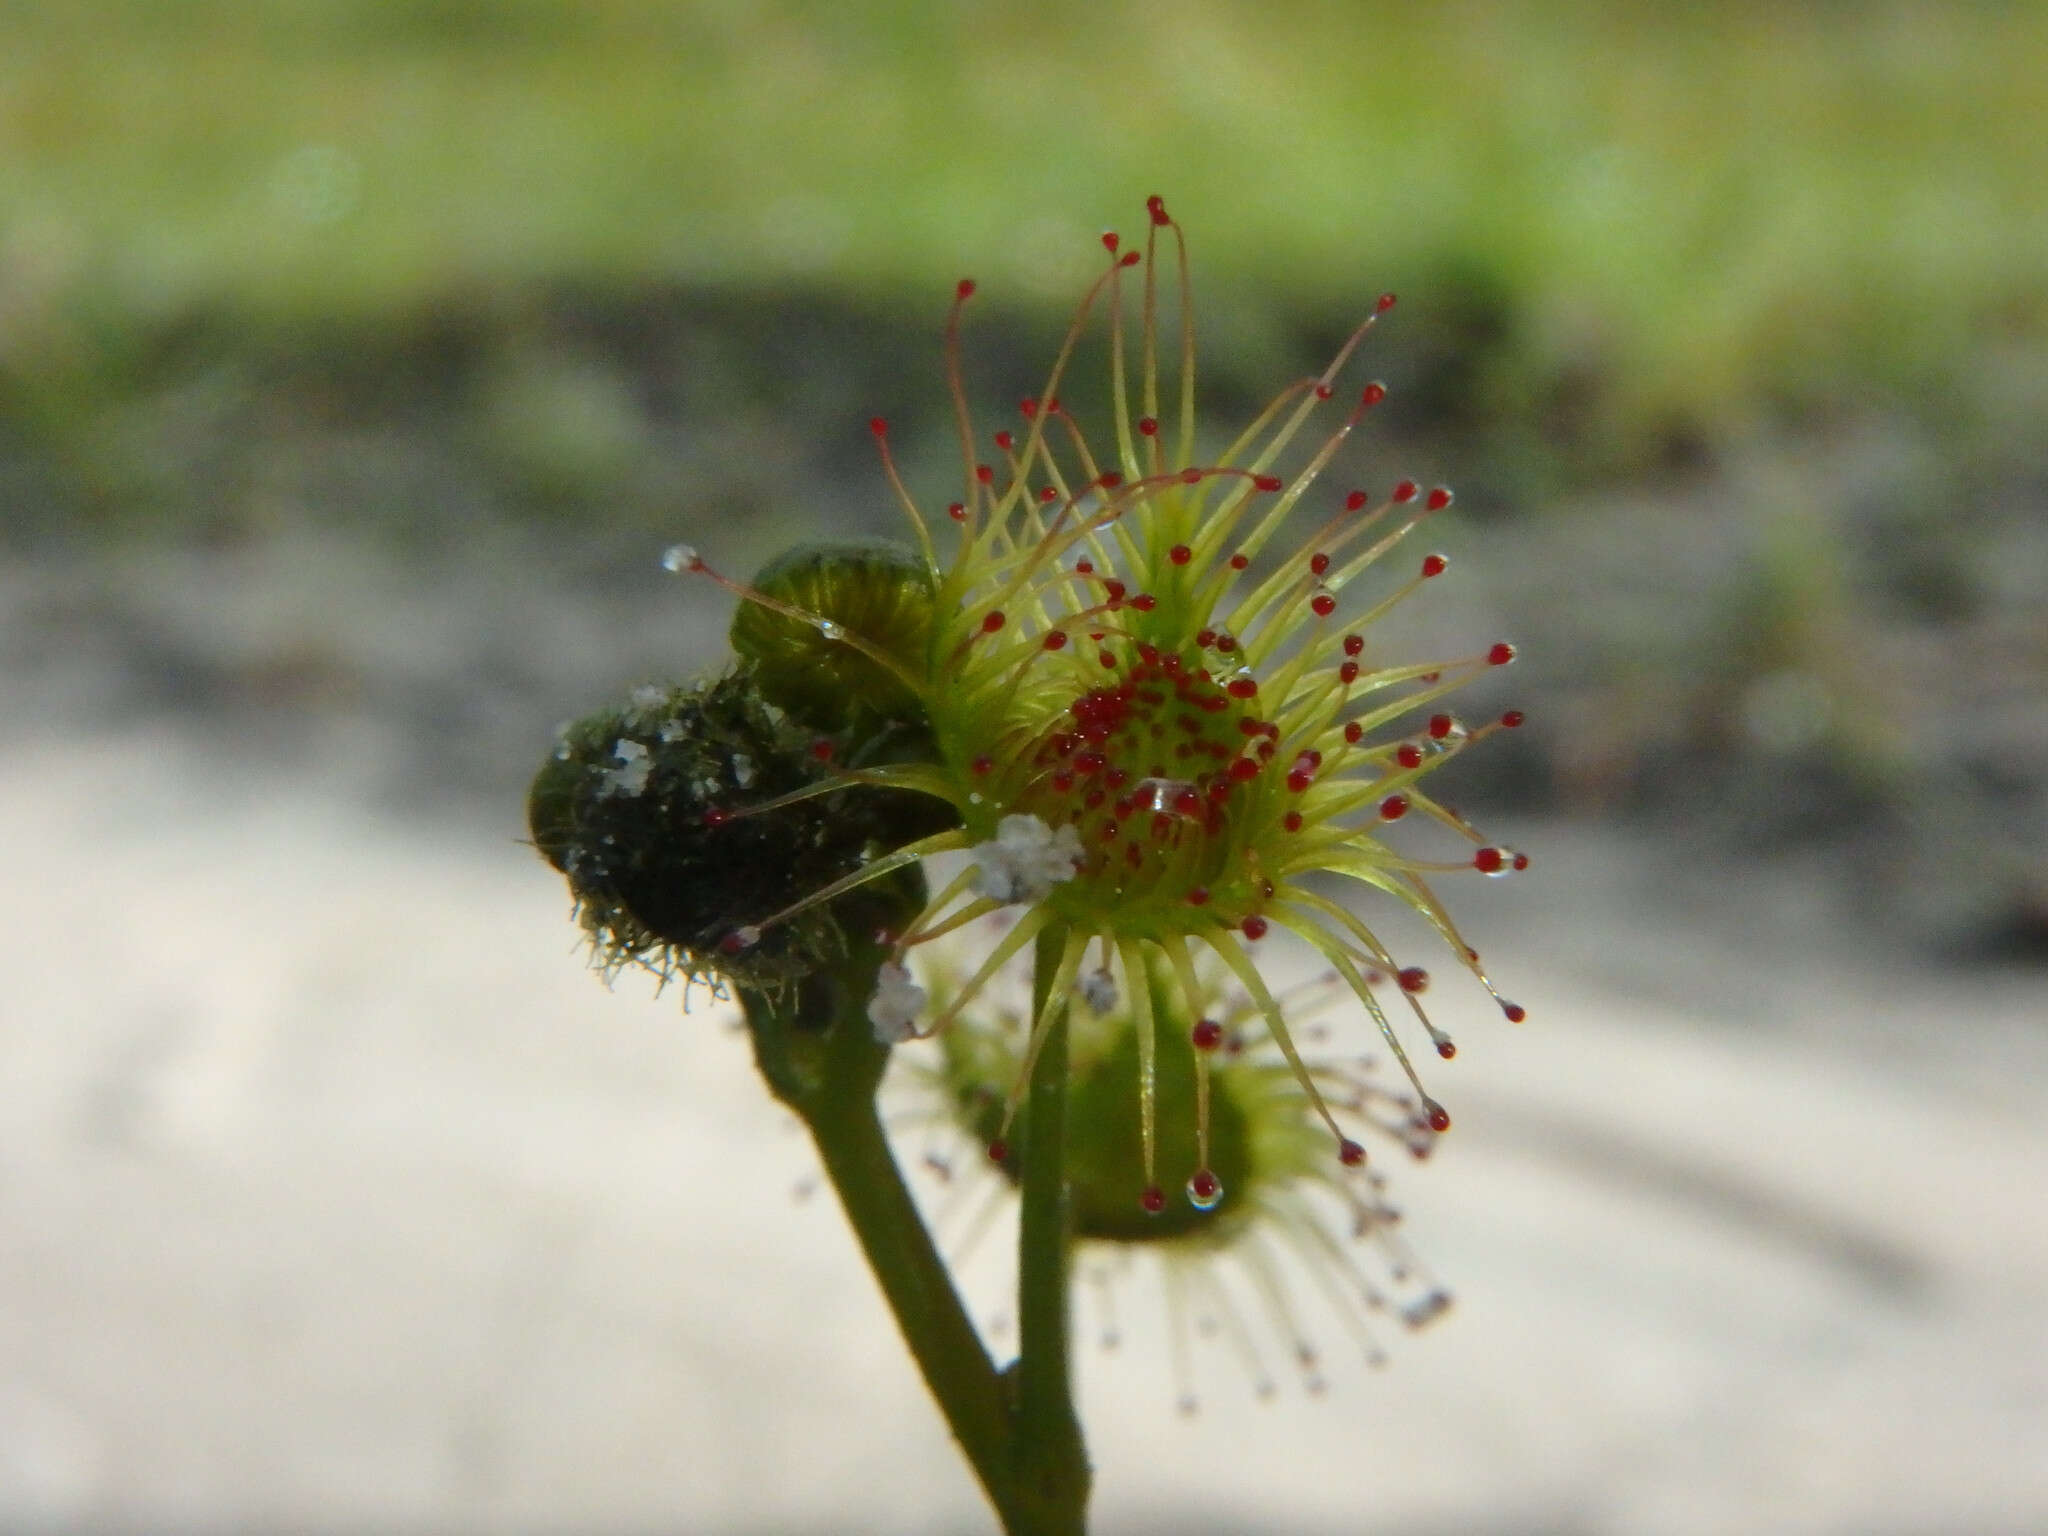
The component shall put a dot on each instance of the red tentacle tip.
(1355, 501)
(1393, 808)
(1438, 499)
(878, 426)
(1206, 1035)
(1515, 1011)
(1253, 928)
(1513, 719)
(1004, 441)
(1488, 861)
(1440, 726)
(1500, 654)
(1434, 565)
(1439, 1117)
(1111, 240)
(1406, 490)
(1446, 1049)
(1353, 644)
(1180, 554)
(1413, 978)
(1153, 1200)
(1323, 605)
(1129, 259)
(1156, 206)
(1266, 482)
(1373, 393)
(964, 288)
(999, 1151)
(1350, 1153)
(1147, 427)
(1199, 896)
(1386, 303)
(717, 816)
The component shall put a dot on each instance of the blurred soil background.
(358, 357)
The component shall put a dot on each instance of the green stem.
(1051, 1459)
(828, 1076)
(1017, 1428)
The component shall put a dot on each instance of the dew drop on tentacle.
(1499, 862)
(1426, 1309)
(1205, 1190)
(681, 557)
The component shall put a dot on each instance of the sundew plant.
(1107, 716)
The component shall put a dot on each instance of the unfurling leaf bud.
(876, 590)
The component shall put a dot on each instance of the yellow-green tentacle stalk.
(1266, 1205)
(1151, 720)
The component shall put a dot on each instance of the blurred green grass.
(1748, 300)
(1652, 223)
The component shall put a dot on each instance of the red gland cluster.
(1154, 756)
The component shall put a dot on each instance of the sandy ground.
(335, 1194)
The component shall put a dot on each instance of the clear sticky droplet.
(1170, 797)
(680, 557)
(1508, 865)
(831, 630)
(1205, 1191)
(1426, 1309)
